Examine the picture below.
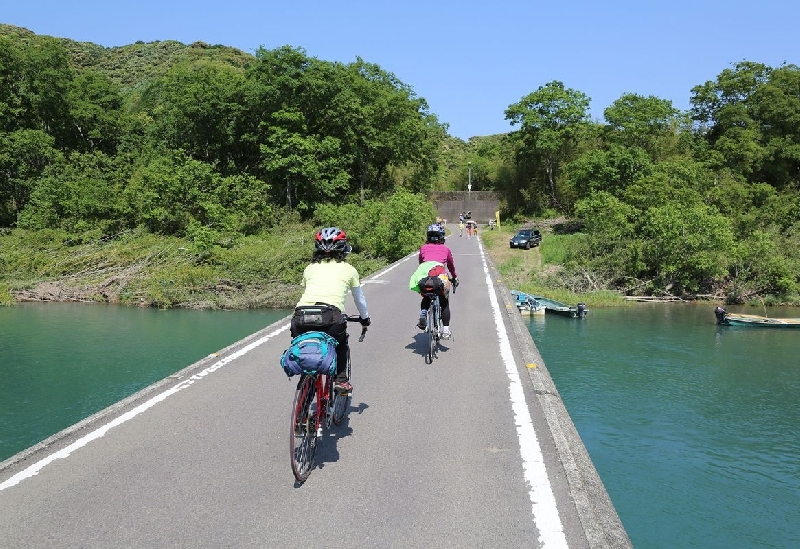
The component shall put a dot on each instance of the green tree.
(12, 101)
(167, 192)
(24, 155)
(550, 119)
(95, 106)
(648, 123)
(610, 245)
(722, 110)
(776, 106)
(761, 268)
(81, 192)
(687, 248)
(392, 127)
(308, 167)
(197, 107)
(48, 77)
(612, 170)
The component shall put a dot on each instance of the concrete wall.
(482, 204)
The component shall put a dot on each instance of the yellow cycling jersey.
(328, 282)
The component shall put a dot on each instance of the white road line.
(101, 431)
(543, 502)
(386, 270)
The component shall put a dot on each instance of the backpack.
(436, 282)
(310, 353)
(431, 285)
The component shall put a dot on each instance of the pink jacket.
(440, 253)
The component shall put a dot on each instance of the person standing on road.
(327, 280)
(434, 250)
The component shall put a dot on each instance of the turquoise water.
(62, 362)
(693, 427)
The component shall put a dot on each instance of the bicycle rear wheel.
(341, 401)
(432, 330)
(303, 433)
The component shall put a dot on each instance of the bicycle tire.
(341, 402)
(431, 330)
(303, 430)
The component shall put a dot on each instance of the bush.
(388, 229)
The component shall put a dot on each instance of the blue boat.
(534, 304)
(526, 304)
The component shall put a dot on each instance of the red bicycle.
(316, 406)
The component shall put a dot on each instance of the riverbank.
(137, 268)
(537, 271)
(144, 270)
(140, 269)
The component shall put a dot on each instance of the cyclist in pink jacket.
(435, 250)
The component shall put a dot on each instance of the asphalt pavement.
(473, 450)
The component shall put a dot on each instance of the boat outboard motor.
(581, 310)
(720, 314)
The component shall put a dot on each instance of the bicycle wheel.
(341, 401)
(432, 334)
(303, 433)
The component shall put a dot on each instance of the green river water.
(62, 362)
(693, 427)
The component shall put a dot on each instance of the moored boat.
(534, 304)
(526, 304)
(735, 319)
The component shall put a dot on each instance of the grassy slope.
(536, 271)
(141, 269)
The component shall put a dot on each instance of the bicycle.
(316, 404)
(433, 324)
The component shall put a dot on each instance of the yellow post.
(497, 218)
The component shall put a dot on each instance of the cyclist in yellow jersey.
(327, 280)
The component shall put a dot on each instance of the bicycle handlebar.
(356, 318)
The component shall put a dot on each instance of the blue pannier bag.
(310, 353)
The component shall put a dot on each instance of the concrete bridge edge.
(599, 519)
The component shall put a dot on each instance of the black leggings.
(444, 302)
(337, 330)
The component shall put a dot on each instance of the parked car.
(525, 238)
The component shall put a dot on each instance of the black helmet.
(435, 233)
(331, 240)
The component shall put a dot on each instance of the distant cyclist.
(327, 280)
(435, 250)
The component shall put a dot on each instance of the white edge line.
(130, 414)
(543, 502)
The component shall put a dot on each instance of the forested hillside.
(223, 150)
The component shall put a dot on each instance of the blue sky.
(470, 59)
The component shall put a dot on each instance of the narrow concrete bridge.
(474, 450)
